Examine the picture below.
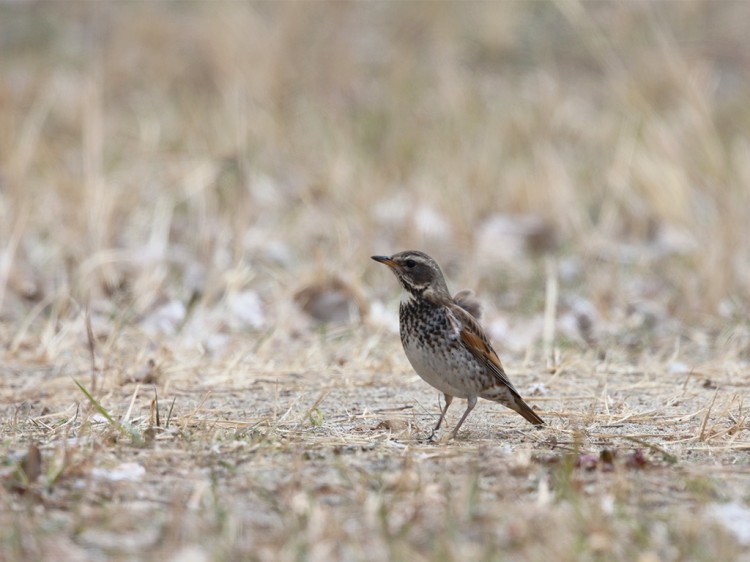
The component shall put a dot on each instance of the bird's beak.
(386, 260)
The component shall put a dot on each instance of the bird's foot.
(435, 439)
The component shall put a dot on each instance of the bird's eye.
(410, 263)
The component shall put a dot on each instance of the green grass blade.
(126, 428)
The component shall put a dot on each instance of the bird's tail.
(525, 410)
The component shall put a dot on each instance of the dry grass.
(186, 187)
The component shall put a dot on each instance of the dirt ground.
(332, 462)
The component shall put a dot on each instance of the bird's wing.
(476, 341)
(465, 299)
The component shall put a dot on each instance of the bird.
(444, 341)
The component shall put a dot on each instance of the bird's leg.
(471, 402)
(448, 400)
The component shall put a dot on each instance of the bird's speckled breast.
(433, 347)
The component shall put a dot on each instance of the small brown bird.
(444, 342)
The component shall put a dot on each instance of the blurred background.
(217, 169)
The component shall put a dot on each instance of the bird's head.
(416, 271)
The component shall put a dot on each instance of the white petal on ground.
(127, 471)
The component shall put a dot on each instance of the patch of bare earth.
(331, 460)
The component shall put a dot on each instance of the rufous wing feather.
(477, 343)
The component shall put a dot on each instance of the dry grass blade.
(9, 251)
(702, 432)
(92, 346)
(169, 414)
(550, 311)
(666, 455)
(30, 467)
